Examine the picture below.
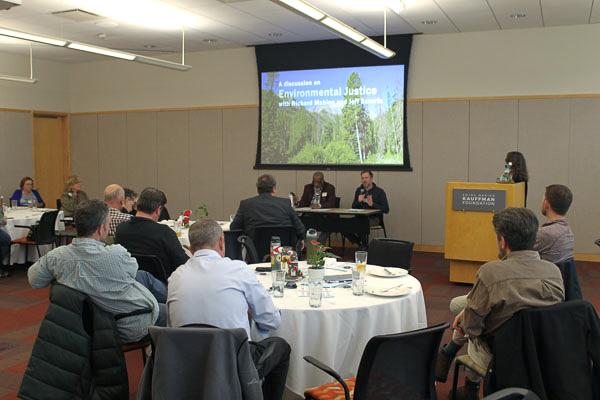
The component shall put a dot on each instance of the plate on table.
(394, 291)
(385, 272)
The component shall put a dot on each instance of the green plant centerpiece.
(201, 212)
(316, 253)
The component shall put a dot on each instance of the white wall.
(50, 93)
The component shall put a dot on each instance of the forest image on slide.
(357, 124)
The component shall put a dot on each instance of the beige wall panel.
(493, 126)
(84, 152)
(544, 141)
(16, 142)
(584, 169)
(403, 188)
(206, 161)
(346, 184)
(141, 150)
(240, 134)
(173, 178)
(445, 158)
(112, 149)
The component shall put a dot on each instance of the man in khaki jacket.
(520, 279)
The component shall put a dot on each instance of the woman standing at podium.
(518, 169)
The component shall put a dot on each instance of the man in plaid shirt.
(114, 197)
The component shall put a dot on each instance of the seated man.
(555, 240)
(520, 279)
(108, 274)
(114, 197)
(211, 289)
(318, 194)
(142, 234)
(266, 209)
(370, 196)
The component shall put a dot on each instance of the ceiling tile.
(561, 12)
(469, 15)
(503, 9)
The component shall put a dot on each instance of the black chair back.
(44, 232)
(251, 256)
(400, 366)
(59, 204)
(512, 394)
(338, 201)
(391, 253)
(233, 248)
(152, 264)
(262, 238)
(570, 280)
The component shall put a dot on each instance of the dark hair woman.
(518, 169)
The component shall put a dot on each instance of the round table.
(27, 216)
(183, 233)
(338, 331)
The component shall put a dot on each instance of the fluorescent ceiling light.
(101, 50)
(153, 14)
(17, 79)
(372, 5)
(305, 9)
(373, 46)
(32, 37)
(343, 29)
(162, 63)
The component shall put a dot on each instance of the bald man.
(114, 197)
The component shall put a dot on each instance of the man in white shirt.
(214, 290)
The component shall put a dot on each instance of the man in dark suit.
(266, 209)
(318, 194)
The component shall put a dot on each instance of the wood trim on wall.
(521, 97)
(141, 110)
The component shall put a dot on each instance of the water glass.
(14, 204)
(315, 293)
(278, 278)
(358, 282)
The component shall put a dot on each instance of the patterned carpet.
(22, 308)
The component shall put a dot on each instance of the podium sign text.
(484, 200)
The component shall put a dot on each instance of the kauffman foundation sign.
(478, 200)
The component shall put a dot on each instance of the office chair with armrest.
(152, 264)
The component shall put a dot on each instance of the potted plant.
(316, 260)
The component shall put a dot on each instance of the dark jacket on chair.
(553, 351)
(199, 363)
(568, 271)
(266, 209)
(77, 354)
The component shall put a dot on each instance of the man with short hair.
(214, 290)
(318, 194)
(142, 234)
(519, 280)
(266, 209)
(555, 240)
(370, 196)
(114, 197)
(108, 274)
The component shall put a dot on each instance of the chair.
(199, 363)
(262, 238)
(380, 225)
(233, 248)
(391, 253)
(140, 344)
(526, 353)
(41, 233)
(397, 366)
(512, 394)
(251, 256)
(58, 204)
(571, 281)
(152, 264)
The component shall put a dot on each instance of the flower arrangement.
(186, 218)
(316, 253)
(202, 211)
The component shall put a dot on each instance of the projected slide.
(337, 116)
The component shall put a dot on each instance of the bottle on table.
(275, 252)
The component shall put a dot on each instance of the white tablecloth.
(183, 234)
(338, 332)
(27, 217)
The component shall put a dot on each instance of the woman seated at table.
(130, 201)
(27, 195)
(72, 196)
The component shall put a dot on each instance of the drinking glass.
(315, 293)
(358, 273)
(278, 278)
(14, 204)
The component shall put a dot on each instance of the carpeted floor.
(22, 309)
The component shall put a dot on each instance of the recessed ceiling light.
(210, 41)
(275, 34)
(429, 22)
(518, 15)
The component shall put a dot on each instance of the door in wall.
(51, 160)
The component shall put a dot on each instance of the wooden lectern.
(470, 236)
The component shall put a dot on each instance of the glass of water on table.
(358, 273)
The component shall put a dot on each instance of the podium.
(470, 238)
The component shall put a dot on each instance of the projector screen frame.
(330, 54)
